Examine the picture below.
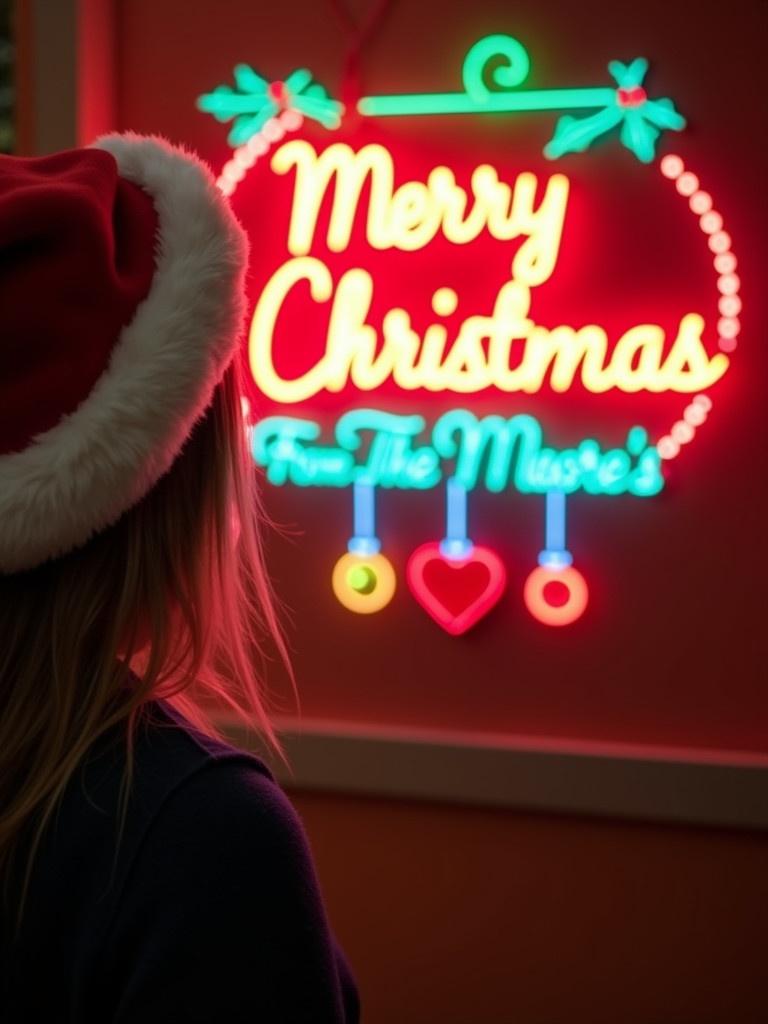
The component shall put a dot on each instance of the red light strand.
(724, 261)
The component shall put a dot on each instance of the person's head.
(130, 555)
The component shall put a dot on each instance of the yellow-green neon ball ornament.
(364, 583)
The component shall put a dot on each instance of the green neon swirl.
(508, 75)
(641, 119)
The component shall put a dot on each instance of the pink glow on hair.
(224, 605)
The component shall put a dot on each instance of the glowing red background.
(673, 646)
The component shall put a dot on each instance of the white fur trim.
(80, 476)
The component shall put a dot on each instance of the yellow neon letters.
(355, 353)
(410, 216)
(506, 349)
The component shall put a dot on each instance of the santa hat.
(121, 304)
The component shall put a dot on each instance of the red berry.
(634, 97)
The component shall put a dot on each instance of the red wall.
(458, 916)
(672, 647)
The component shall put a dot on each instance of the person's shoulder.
(232, 799)
(166, 749)
(223, 890)
(227, 833)
(163, 725)
(218, 789)
(186, 787)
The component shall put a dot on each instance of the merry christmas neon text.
(408, 218)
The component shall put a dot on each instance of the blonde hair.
(176, 590)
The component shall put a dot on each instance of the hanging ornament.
(363, 579)
(455, 581)
(555, 593)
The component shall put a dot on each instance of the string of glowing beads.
(729, 304)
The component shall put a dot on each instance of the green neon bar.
(497, 102)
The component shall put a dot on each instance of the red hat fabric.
(77, 245)
(121, 304)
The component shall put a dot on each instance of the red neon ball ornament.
(556, 596)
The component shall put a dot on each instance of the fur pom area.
(79, 477)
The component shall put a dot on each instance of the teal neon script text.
(495, 452)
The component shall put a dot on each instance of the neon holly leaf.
(629, 76)
(575, 135)
(642, 120)
(254, 100)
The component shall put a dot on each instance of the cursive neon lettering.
(357, 353)
(410, 216)
(382, 450)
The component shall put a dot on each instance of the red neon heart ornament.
(457, 593)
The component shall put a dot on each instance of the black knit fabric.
(209, 912)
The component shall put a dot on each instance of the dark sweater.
(212, 911)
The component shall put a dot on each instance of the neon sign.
(345, 199)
